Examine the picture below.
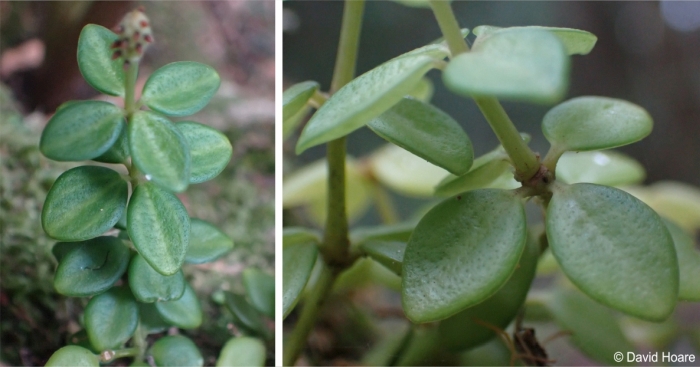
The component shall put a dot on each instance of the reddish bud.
(144, 24)
(136, 36)
(116, 54)
(126, 64)
(148, 38)
(118, 29)
(116, 44)
(138, 48)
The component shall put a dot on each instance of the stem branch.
(132, 73)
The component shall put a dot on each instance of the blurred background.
(647, 52)
(38, 72)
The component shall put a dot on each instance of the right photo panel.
(491, 183)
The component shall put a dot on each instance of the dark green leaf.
(81, 131)
(159, 226)
(90, 267)
(688, 262)
(95, 60)
(73, 356)
(185, 313)
(207, 243)
(294, 99)
(180, 88)
(119, 152)
(389, 254)
(242, 351)
(83, 203)
(176, 350)
(210, 150)
(150, 319)
(111, 318)
(244, 315)
(159, 150)
(298, 262)
(148, 285)
(260, 288)
(81, 339)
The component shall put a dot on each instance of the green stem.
(297, 339)
(132, 73)
(345, 61)
(550, 160)
(111, 355)
(139, 341)
(524, 160)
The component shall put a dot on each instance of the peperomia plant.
(124, 234)
(466, 265)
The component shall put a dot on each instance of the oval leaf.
(159, 227)
(260, 288)
(600, 167)
(677, 201)
(296, 235)
(210, 150)
(160, 150)
(242, 351)
(427, 132)
(461, 253)
(576, 41)
(119, 151)
(180, 88)
(614, 248)
(185, 313)
(389, 254)
(148, 285)
(91, 267)
(528, 65)
(95, 60)
(207, 242)
(244, 315)
(400, 232)
(592, 123)
(111, 318)
(688, 263)
(176, 350)
(404, 172)
(83, 203)
(365, 98)
(290, 125)
(294, 99)
(150, 320)
(74, 356)
(81, 131)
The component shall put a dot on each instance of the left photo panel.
(137, 183)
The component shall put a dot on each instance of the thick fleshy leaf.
(90, 267)
(244, 315)
(483, 172)
(366, 272)
(150, 319)
(688, 262)
(296, 235)
(528, 65)
(260, 288)
(160, 150)
(207, 243)
(289, 125)
(95, 60)
(180, 88)
(119, 151)
(81, 131)
(298, 262)
(148, 285)
(608, 168)
(461, 253)
(463, 331)
(427, 132)
(395, 232)
(404, 172)
(111, 318)
(159, 227)
(176, 350)
(676, 201)
(185, 312)
(74, 356)
(294, 99)
(614, 248)
(598, 334)
(389, 254)
(210, 150)
(368, 96)
(592, 123)
(576, 41)
(83, 203)
(242, 351)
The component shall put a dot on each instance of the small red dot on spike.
(116, 54)
(144, 24)
(148, 38)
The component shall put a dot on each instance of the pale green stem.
(139, 341)
(111, 355)
(552, 157)
(346, 58)
(132, 73)
(449, 26)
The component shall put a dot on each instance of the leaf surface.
(242, 351)
(176, 350)
(298, 262)
(608, 168)
(185, 312)
(95, 60)
(210, 150)
(180, 88)
(148, 285)
(207, 243)
(576, 41)
(260, 288)
(111, 318)
(294, 99)
(73, 355)
(90, 267)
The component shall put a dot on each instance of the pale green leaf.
(688, 262)
(608, 168)
(294, 99)
(180, 88)
(576, 41)
(389, 254)
(210, 150)
(404, 172)
(242, 351)
(176, 350)
(73, 356)
(148, 285)
(298, 261)
(95, 60)
(260, 288)
(207, 243)
(111, 318)
(185, 312)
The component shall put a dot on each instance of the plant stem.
(297, 340)
(524, 160)
(140, 342)
(132, 73)
(116, 354)
(345, 60)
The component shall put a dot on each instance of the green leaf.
(461, 253)
(592, 123)
(368, 96)
(95, 60)
(185, 312)
(83, 203)
(676, 201)
(150, 319)
(242, 351)
(244, 315)
(614, 248)
(493, 353)
(427, 132)
(415, 3)
(207, 243)
(81, 339)
(160, 150)
(598, 334)
(576, 41)
(296, 235)
(294, 99)
(290, 125)
(90, 267)
(81, 131)
(395, 232)
(608, 168)
(148, 285)
(111, 318)
(74, 356)
(210, 150)
(180, 88)
(260, 288)
(176, 350)
(389, 254)
(688, 262)
(528, 65)
(423, 91)
(404, 172)
(366, 272)
(462, 331)
(486, 169)
(159, 227)
(119, 151)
